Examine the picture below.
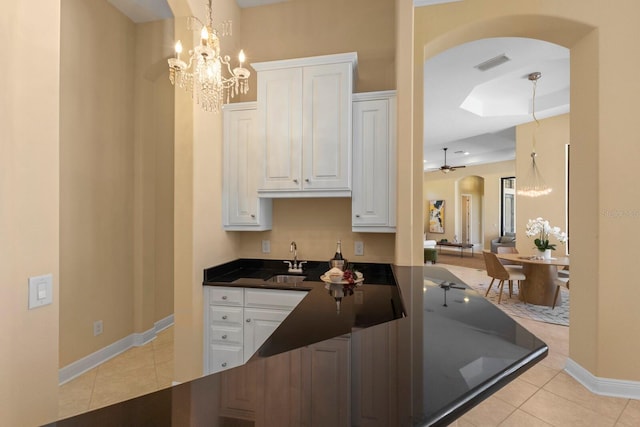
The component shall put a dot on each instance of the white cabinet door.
(241, 207)
(280, 127)
(374, 167)
(259, 325)
(304, 121)
(223, 357)
(326, 141)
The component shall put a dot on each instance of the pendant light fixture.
(533, 184)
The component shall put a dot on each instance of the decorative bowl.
(335, 277)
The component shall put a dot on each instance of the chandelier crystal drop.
(203, 75)
(534, 185)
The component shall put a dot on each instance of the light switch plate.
(266, 246)
(40, 290)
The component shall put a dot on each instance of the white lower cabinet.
(237, 321)
(259, 325)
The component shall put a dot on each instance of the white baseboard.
(80, 366)
(603, 386)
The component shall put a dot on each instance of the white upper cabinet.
(304, 126)
(242, 210)
(373, 203)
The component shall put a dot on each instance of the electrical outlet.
(266, 246)
(358, 248)
(97, 328)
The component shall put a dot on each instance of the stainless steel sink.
(286, 278)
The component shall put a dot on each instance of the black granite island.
(413, 347)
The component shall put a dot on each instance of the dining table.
(539, 285)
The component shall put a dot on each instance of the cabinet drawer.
(224, 357)
(221, 295)
(222, 315)
(226, 335)
(273, 298)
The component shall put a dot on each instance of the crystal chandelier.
(534, 185)
(203, 75)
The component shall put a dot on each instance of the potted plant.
(542, 230)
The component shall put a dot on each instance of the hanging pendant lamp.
(533, 183)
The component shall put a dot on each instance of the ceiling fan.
(445, 168)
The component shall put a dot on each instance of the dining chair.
(564, 272)
(560, 282)
(508, 250)
(496, 270)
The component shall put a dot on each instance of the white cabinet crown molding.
(351, 57)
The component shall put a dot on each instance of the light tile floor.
(137, 371)
(543, 396)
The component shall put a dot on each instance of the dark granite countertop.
(376, 300)
(454, 348)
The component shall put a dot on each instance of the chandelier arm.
(203, 75)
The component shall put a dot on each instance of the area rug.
(478, 280)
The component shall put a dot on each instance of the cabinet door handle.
(248, 320)
(253, 215)
(224, 337)
(224, 297)
(224, 364)
(307, 180)
(295, 181)
(224, 317)
(357, 215)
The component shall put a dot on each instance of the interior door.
(467, 217)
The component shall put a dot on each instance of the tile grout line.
(588, 407)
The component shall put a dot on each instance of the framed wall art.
(436, 216)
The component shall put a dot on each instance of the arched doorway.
(434, 34)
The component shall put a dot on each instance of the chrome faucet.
(294, 248)
(295, 266)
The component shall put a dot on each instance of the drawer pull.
(224, 337)
(224, 364)
(224, 317)
(248, 320)
(295, 181)
(224, 297)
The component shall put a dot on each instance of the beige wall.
(604, 141)
(153, 175)
(302, 28)
(200, 241)
(316, 228)
(96, 177)
(29, 194)
(116, 177)
(438, 186)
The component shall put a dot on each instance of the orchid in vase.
(542, 230)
